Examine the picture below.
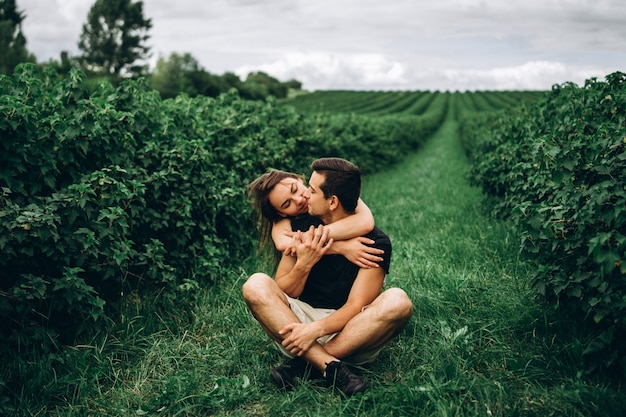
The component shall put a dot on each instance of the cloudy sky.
(370, 44)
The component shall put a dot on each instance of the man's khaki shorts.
(309, 314)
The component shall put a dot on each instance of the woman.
(278, 196)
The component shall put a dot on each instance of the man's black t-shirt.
(331, 279)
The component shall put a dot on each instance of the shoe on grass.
(285, 375)
(342, 378)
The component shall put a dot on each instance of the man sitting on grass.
(322, 309)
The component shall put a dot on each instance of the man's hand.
(311, 245)
(292, 272)
(300, 337)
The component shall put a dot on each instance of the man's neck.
(334, 216)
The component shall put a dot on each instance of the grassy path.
(436, 219)
(476, 345)
(473, 347)
(473, 310)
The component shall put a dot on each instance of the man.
(322, 309)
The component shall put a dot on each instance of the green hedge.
(372, 143)
(113, 194)
(558, 170)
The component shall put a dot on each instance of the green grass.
(478, 343)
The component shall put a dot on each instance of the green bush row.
(112, 194)
(557, 170)
(372, 143)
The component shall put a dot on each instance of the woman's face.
(290, 197)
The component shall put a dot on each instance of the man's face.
(290, 197)
(318, 205)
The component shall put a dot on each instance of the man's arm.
(292, 272)
(367, 286)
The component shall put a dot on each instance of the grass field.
(478, 343)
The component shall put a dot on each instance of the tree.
(113, 39)
(168, 77)
(260, 85)
(12, 41)
(183, 74)
(294, 84)
(171, 76)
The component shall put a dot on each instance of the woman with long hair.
(278, 196)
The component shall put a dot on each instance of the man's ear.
(333, 203)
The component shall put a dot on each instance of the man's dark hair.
(341, 178)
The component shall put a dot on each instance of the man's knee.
(397, 304)
(256, 288)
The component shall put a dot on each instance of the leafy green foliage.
(558, 168)
(477, 344)
(111, 193)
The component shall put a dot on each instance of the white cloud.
(370, 44)
(324, 71)
(320, 71)
(536, 75)
(53, 26)
(73, 10)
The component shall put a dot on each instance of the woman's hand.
(357, 251)
(291, 248)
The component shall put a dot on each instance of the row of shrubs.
(114, 193)
(557, 170)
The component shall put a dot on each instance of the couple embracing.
(326, 307)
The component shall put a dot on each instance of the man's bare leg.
(374, 326)
(270, 307)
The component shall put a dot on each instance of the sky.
(370, 44)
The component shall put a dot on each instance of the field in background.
(415, 103)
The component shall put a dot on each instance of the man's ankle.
(327, 363)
